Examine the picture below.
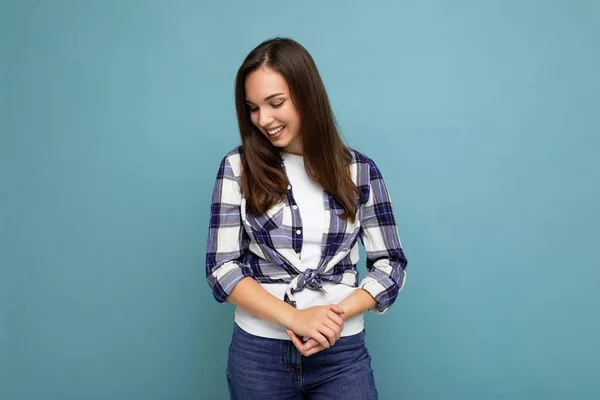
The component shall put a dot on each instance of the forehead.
(264, 82)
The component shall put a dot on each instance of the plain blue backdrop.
(483, 116)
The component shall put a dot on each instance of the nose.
(264, 118)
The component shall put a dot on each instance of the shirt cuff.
(226, 277)
(379, 292)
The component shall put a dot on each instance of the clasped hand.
(321, 324)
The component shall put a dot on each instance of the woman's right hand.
(322, 323)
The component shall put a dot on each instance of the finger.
(313, 351)
(336, 318)
(334, 327)
(337, 309)
(293, 334)
(319, 337)
(315, 347)
(309, 344)
(329, 334)
(296, 341)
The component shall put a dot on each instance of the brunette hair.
(326, 158)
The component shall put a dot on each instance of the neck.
(294, 148)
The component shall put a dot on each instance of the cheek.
(290, 117)
(294, 121)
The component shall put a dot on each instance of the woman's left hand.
(308, 348)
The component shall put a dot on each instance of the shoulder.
(231, 162)
(364, 164)
(364, 171)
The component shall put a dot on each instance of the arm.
(227, 244)
(386, 262)
(254, 299)
(356, 303)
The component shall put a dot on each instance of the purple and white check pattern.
(268, 247)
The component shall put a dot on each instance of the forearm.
(356, 303)
(254, 299)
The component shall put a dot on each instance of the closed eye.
(254, 109)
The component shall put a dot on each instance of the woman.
(288, 208)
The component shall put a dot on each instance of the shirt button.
(298, 232)
(289, 187)
(295, 207)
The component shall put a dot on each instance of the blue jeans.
(271, 369)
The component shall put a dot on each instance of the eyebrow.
(268, 97)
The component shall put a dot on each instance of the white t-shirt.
(309, 198)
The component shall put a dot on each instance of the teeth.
(276, 130)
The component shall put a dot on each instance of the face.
(272, 110)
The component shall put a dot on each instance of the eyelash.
(272, 105)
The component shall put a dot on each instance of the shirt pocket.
(266, 223)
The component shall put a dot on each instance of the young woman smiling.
(288, 210)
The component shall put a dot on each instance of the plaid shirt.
(268, 247)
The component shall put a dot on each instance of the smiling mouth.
(276, 130)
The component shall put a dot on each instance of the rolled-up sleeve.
(386, 262)
(228, 242)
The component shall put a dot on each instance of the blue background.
(483, 116)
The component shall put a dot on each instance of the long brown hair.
(326, 158)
